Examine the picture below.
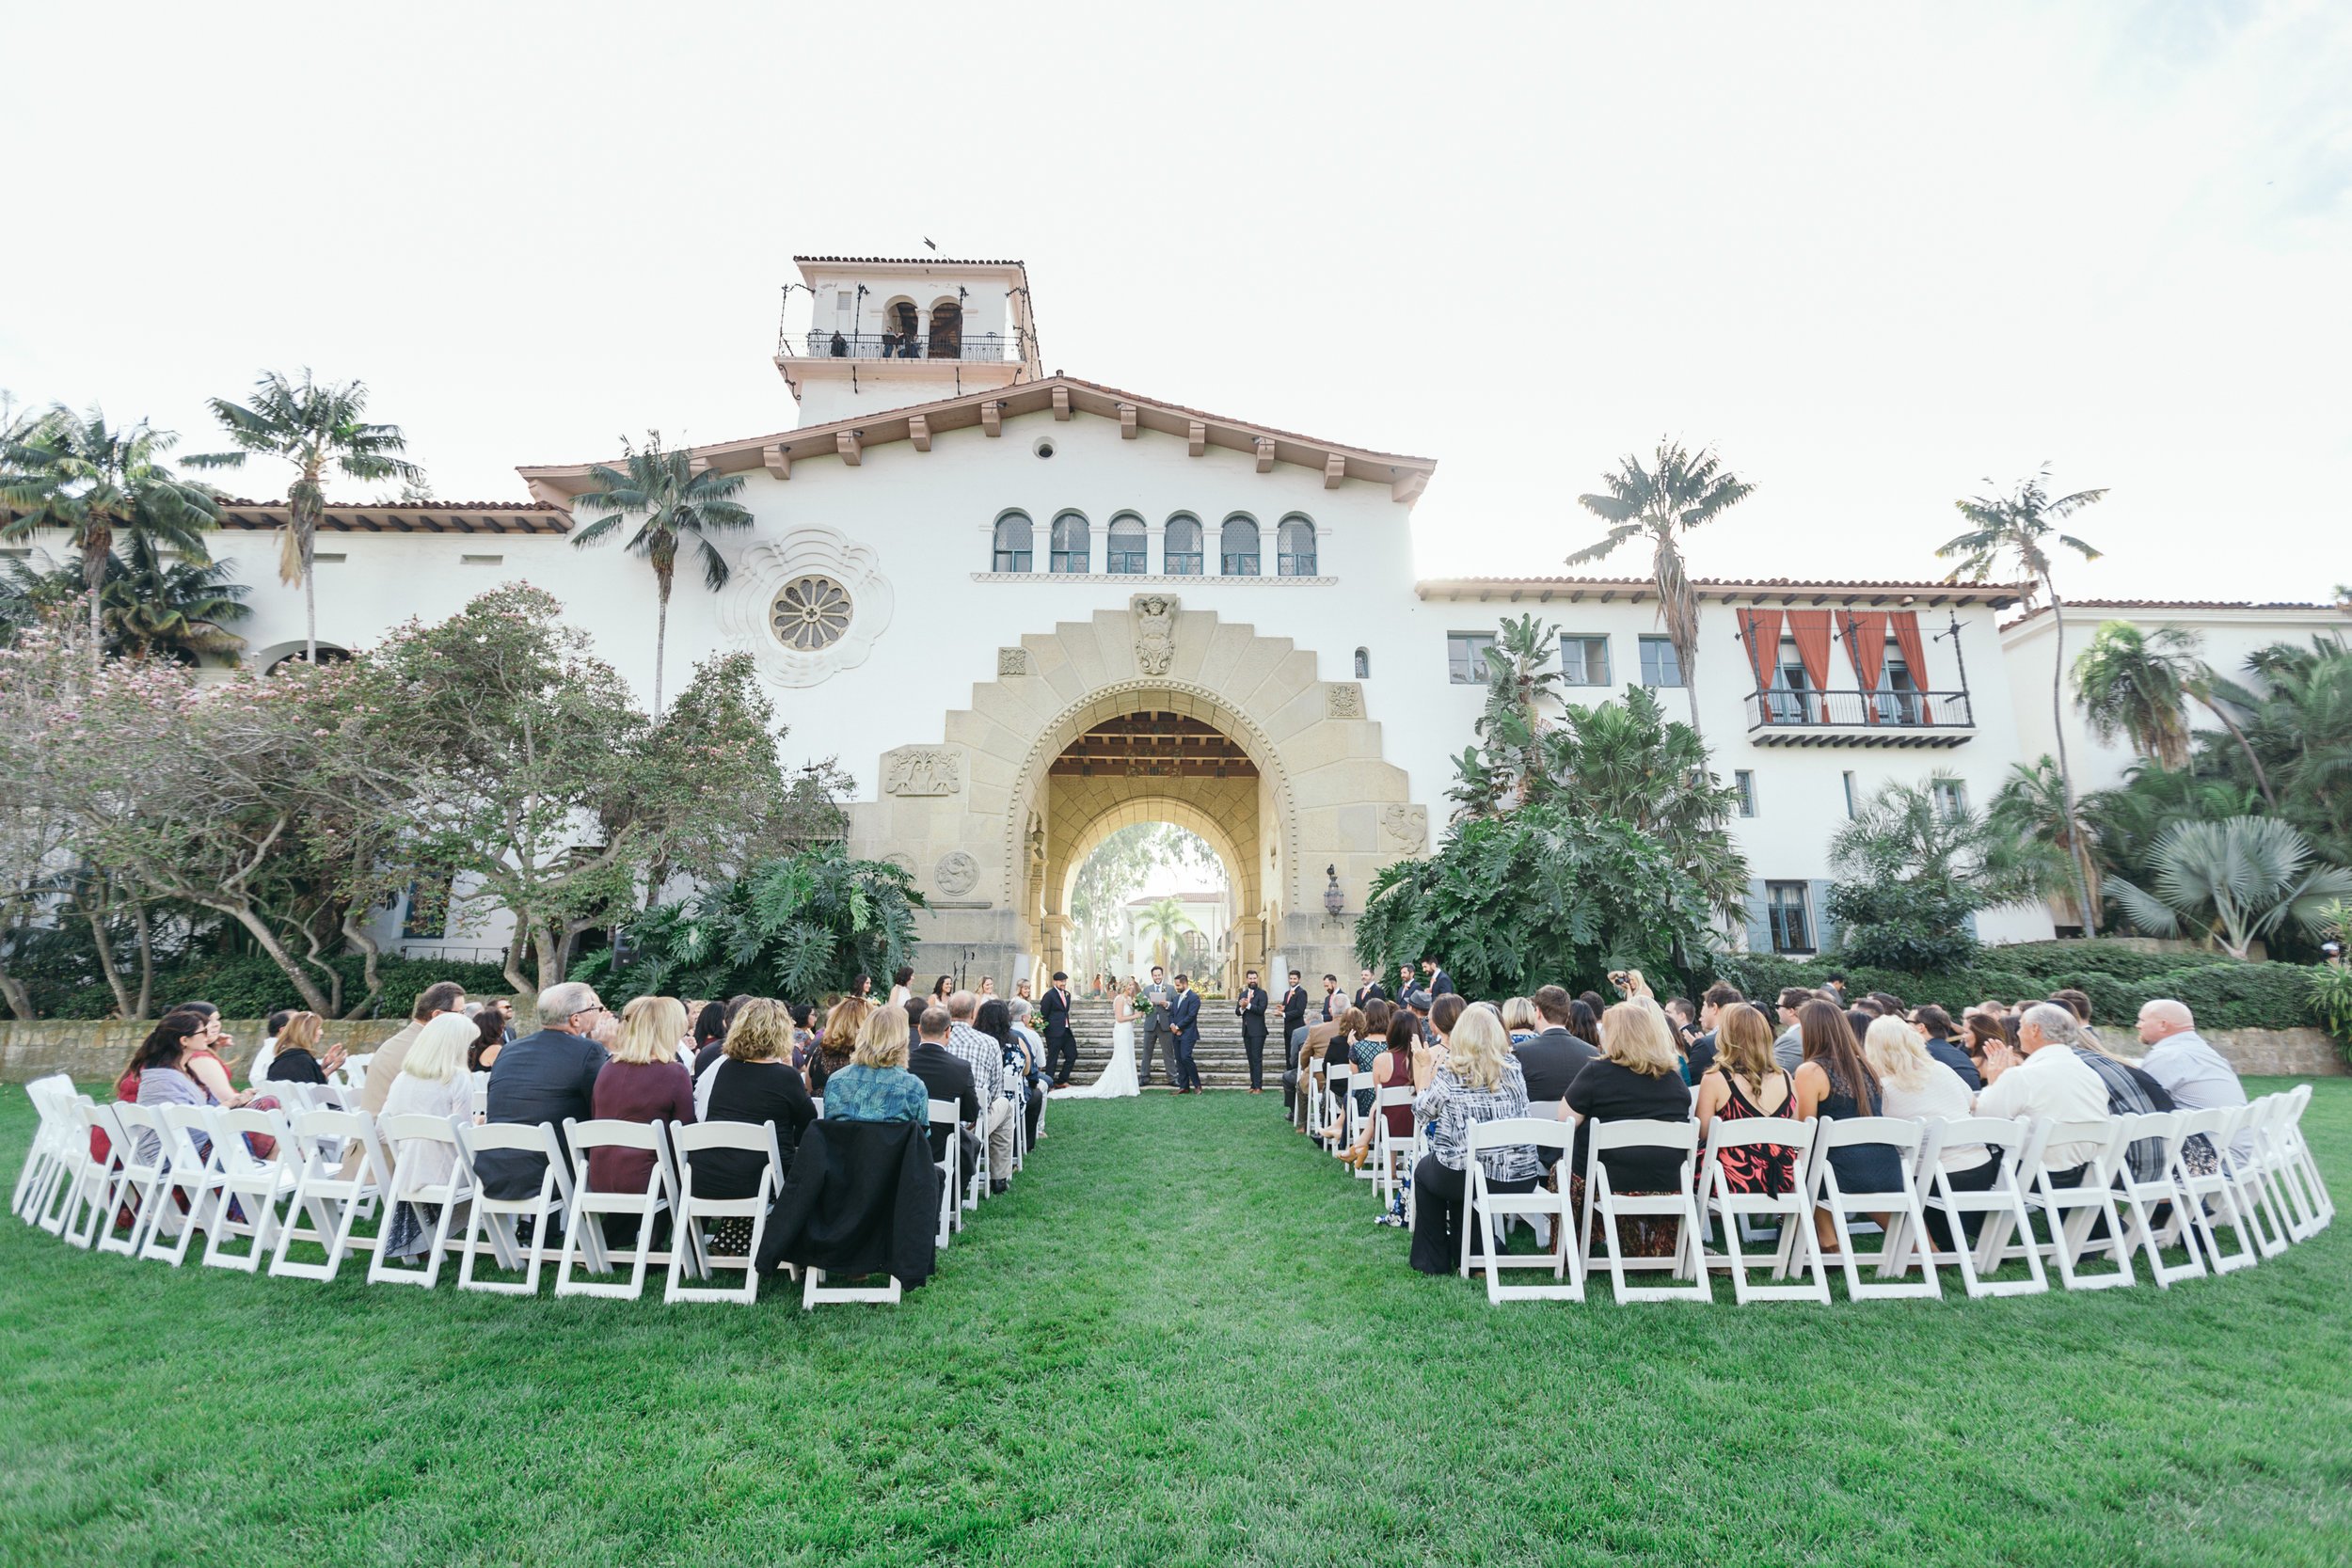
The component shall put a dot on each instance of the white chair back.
(689, 1246)
(1797, 1248)
(415, 1141)
(585, 1239)
(1482, 1208)
(327, 1205)
(501, 1220)
(1604, 1206)
(1998, 1206)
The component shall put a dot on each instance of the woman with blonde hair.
(1637, 1077)
(1745, 1082)
(751, 1081)
(1522, 1019)
(644, 1082)
(836, 1040)
(297, 1059)
(433, 1082)
(875, 1084)
(1479, 1082)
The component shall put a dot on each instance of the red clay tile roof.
(910, 261)
(1997, 594)
(2191, 605)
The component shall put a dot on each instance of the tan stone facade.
(995, 837)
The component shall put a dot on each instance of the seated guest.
(1637, 1078)
(1788, 1049)
(296, 1058)
(1391, 1069)
(985, 1055)
(443, 996)
(752, 1080)
(1683, 1020)
(1031, 1061)
(803, 1036)
(1722, 994)
(946, 1076)
(874, 1085)
(1556, 1053)
(1520, 1021)
(1859, 1017)
(837, 1041)
(1339, 1049)
(1479, 1082)
(1592, 999)
(2132, 1092)
(1328, 1043)
(1585, 1021)
(256, 1071)
(709, 1035)
(1744, 1082)
(432, 1081)
(489, 1039)
(1917, 1085)
(2192, 1073)
(1835, 1082)
(204, 1063)
(1023, 1084)
(2042, 1076)
(158, 1073)
(1935, 1027)
(545, 1077)
(643, 1081)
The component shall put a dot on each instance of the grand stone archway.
(1283, 767)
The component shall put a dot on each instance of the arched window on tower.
(946, 330)
(904, 341)
(1237, 547)
(1363, 664)
(1070, 545)
(1130, 550)
(1294, 546)
(1181, 550)
(1014, 538)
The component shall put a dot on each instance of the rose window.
(812, 612)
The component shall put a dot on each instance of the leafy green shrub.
(2332, 999)
(2123, 961)
(250, 986)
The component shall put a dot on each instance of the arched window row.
(1070, 546)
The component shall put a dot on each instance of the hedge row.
(2223, 992)
(251, 986)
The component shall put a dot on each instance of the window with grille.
(1584, 662)
(1128, 550)
(1294, 547)
(1181, 549)
(1788, 909)
(1661, 664)
(1071, 544)
(1015, 539)
(1466, 656)
(1951, 799)
(1237, 547)
(1743, 780)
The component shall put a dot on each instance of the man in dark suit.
(544, 1077)
(1061, 1046)
(1722, 994)
(1936, 1025)
(1184, 1020)
(1551, 1059)
(1331, 1003)
(1294, 1006)
(1251, 1005)
(947, 1076)
(1438, 982)
(1154, 999)
(1366, 988)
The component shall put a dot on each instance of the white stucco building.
(1025, 610)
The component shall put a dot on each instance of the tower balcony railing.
(975, 347)
(1859, 718)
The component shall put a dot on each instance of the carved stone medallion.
(1156, 631)
(1012, 661)
(923, 771)
(1405, 829)
(957, 873)
(1342, 700)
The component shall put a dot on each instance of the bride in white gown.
(1119, 1079)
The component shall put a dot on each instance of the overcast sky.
(1875, 252)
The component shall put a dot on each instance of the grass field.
(1180, 1341)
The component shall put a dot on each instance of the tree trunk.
(543, 940)
(2066, 776)
(309, 610)
(19, 1001)
(512, 963)
(357, 936)
(1690, 687)
(147, 959)
(93, 582)
(660, 638)
(312, 998)
(2262, 779)
(93, 912)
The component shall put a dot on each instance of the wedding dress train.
(1119, 1079)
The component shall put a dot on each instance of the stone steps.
(1219, 1055)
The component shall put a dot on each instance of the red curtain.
(1810, 628)
(1865, 649)
(1761, 629)
(1904, 624)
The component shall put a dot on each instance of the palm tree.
(2015, 533)
(313, 427)
(2032, 810)
(153, 607)
(2219, 695)
(1681, 491)
(678, 502)
(2233, 883)
(77, 472)
(2131, 682)
(1164, 922)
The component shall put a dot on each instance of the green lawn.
(1180, 1341)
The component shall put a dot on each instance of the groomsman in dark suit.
(1437, 982)
(1366, 988)
(1061, 1045)
(1251, 1006)
(1184, 1020)
(1331, 1003)
(1294, 1008)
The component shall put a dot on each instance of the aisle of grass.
(1180, 1341)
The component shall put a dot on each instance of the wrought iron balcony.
(973, 347)
(1857, 718)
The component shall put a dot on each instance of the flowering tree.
(44, 677)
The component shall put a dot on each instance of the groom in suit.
(1251, 1006)
(1061, 1045)
(1184, 1020)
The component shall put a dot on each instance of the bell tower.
(888, 333)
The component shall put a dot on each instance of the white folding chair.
(1604, 1206)
(2308, 1204)
(1484, 1205)
(44, 1171)
(980, 1178)
(86, 1216)
(1338, 1104)
(949, 1114)
(412, 1140)
(2255, 1169)
(2070, 1212)
(482, 1093)
(2000, 1207)
(585, 1238)
(688, 1244)
(501, 1219)
(2213, 1195)
(1797, 1249)
(192, 1176)
(250, 1186)
(2144, 1196)
(331, 1202)
(1393, 1157)
(142, 1156)
(1903, 1241)
(353, 1075)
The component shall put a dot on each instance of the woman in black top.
(711, 1033)
(752, 1080)
(488, 1041)
(1634, 1079)
(297, 1061)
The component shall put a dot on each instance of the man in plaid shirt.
(985, 1054)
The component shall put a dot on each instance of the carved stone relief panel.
(923, 771)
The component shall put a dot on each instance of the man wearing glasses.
(544, 1077)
